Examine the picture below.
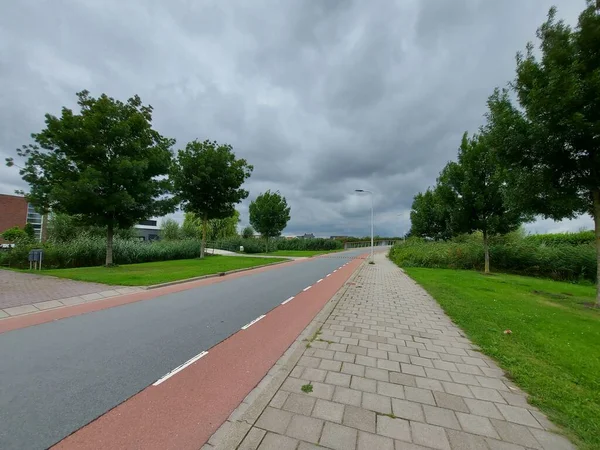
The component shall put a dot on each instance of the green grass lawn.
(553, 352)
(306, 253)
(145, 274)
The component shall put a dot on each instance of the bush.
(85, 251)
(565, 262)
(254, 245)
(582, 237)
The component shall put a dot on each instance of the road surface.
(58, 376)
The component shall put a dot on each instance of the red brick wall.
(13, 212)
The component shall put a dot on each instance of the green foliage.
(30, 231)
(103, 164)
(582, 237)
(429, 216)
(170, 230)
(15, 234)
(248, 232)
(269, 214)
(565, 262)
(64, 228)
(207, 178)
(254, 245)
(85, 251)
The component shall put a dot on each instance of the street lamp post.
(369, 192)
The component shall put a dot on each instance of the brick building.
(16, 211)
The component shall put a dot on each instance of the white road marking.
(335, 271)
(248, 325)
(289, 299)
(328, 275)
(179, 368)
(306, 288)
(318, 281)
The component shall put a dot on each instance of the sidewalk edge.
(233, 431)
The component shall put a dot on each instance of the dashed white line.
(179, 368)
(289, 299)
(319, 280)
(328, 275)
(335, 271)
(248, 325)
(306, 288)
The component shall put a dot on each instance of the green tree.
(550, 143)
(207, 178)
(103, 164)
(170, 230)
(473, 188)
(429, 216)
(269, 215)
(248, 232)
(30, 231)
(191, 228)
(15, 235)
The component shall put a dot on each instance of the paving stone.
(407, 410)
(440, 416)
(515, 399)
(518, 415)
(419, 395)
(493, 372)
(300, 404)
(293, 384)
(399, 357)
(477, 425)
(407, 350)
(347, 396)
(275, 420)
(279, 399)
(363, 384)
(552, 441)
(418, 361)
(483, 408)
(393, 428)
(429, 436)
(390, 389)
(493, 383)
(428, 383)
(325, 354)
(449, 401)
(377, 403)
(307, 446)
(464, 441)
(19, 310)
(48, 305)
(387, 347)
(494, 444)
(327, 364)
(277, 442)
(309, 361)
(393, 366)
(339, 379)
(344, 357)
(474, 361)
(368, 441)
(337, 347)
(444, 365)
(375, 353)
(359, 418)
(321, 390)
(353, 369)
(365, 361)
(348, 341)
(326, 410)
(378, 339)
(413, 370)
(91, 297)
(543, 420)
(377, 374)
(367, 344)
(464, 378)
(457, 389)
(305, 428)
(438, 374)
(297, 372)
(428, 354)
(357, 350)
(482, 393)
(402, 378)
(252, 439)
(338, 437)
(516, 434)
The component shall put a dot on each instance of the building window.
(151, 223)
(35, 219)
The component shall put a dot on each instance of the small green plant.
(307, 388)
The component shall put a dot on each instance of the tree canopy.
(207, 179)
(269, 214)
(105, 164)
(549, 143)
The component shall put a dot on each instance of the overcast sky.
(322, 96)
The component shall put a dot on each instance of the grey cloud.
(322, 97)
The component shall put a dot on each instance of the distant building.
(339, 238)
(307, 236)
(148, 230)
(15, 211)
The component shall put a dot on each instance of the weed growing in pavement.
(307, 388)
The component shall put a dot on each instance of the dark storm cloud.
(322, 97)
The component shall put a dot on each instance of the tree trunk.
(486, 249)
(109, 244)
(596, 197)
(204, 227)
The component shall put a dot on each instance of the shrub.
(582, 237)
(564, 262)
(254, 245)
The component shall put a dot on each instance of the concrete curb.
(233, 431)
(212, 275)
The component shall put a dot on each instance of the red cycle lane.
(186, 409)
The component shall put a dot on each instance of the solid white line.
(291, 298)
(328, 275)
(252, 323)
(318, 281)
(306, 288)
(179, 368)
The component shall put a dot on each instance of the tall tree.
(269, 214)
(474, 186)
(207, 179)
(429, 216)
(104, 164)
(247, 232)
(551, 144)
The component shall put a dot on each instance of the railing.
(377, 243)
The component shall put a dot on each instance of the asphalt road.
(59, 376)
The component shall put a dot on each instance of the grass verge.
(553, 351)
(146, 274)
(306, 253)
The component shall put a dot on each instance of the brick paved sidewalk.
(392, 372)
